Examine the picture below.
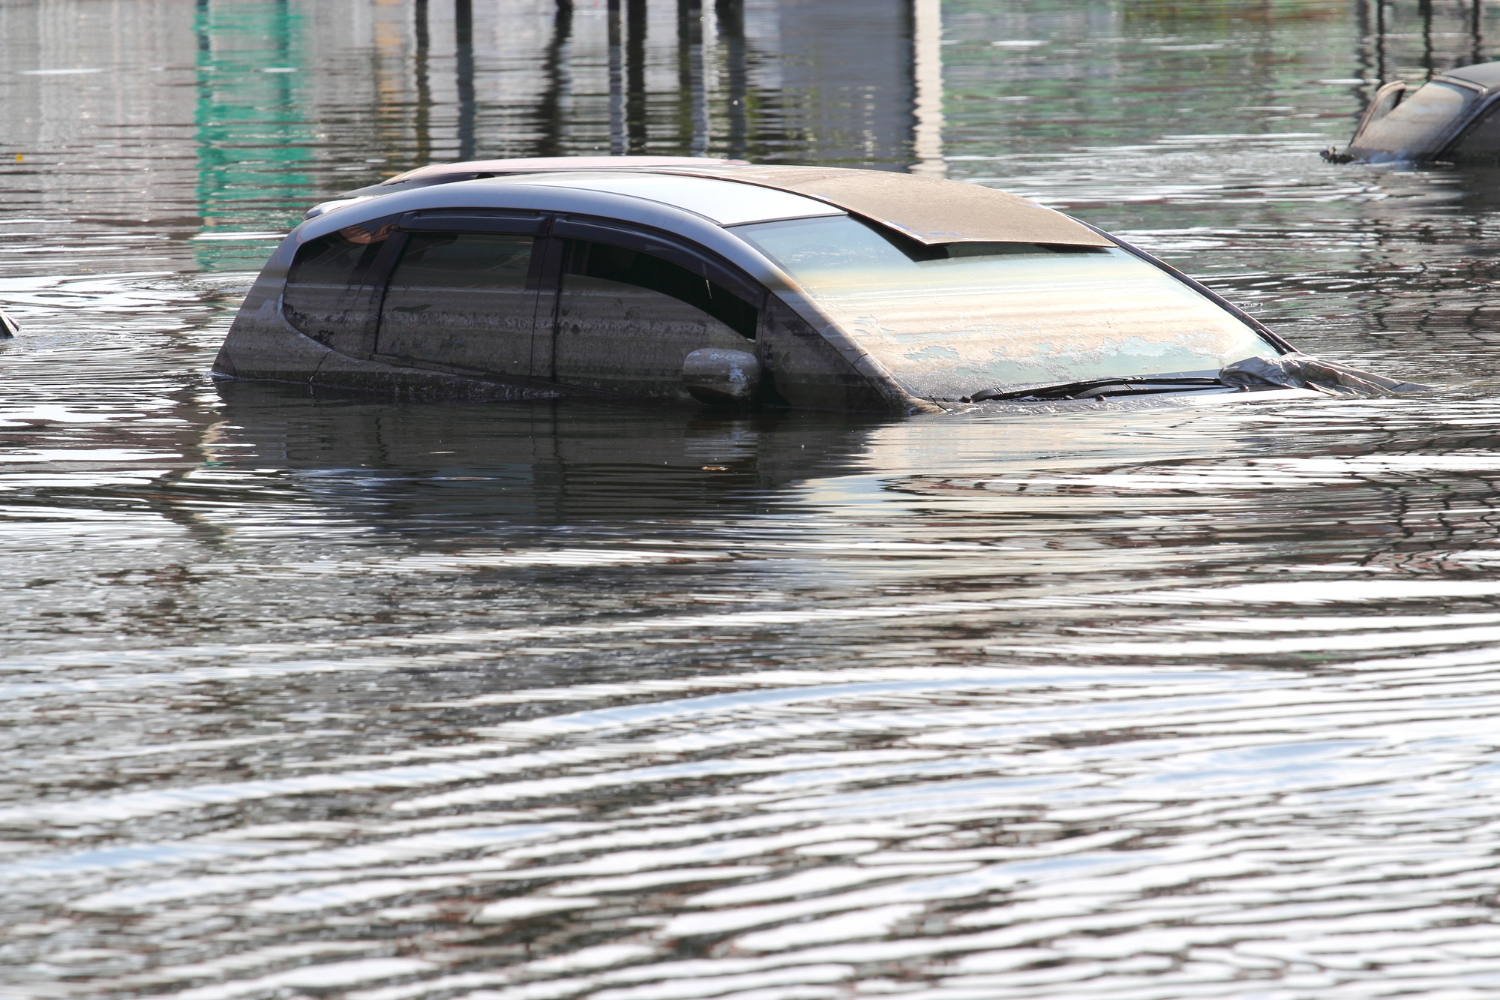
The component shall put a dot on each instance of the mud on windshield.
(947, 321)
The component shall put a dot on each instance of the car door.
(463, 292)
(631, 305)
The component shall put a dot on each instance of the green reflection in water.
(253, 128)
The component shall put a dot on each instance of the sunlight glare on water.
(337, 696)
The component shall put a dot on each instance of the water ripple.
(325, 695)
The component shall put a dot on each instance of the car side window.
(464, 260)
(627, 319)
(650, 272)
(326, 295)
(462, 299)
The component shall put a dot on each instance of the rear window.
(990, 315)
(338, 258)
(1418, 125)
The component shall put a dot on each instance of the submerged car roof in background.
(1448, 118)
(928, 210)
(1487, 75)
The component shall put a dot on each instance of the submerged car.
(727, 283)
(1452, 118)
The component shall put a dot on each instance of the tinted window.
(464, 260)
(461, 299)
(644, 270)
(626, 320)
(325, 296)
(338, 257)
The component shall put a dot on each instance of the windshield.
(990, 315)
(1417, 125)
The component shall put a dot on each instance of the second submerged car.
(1452, 118)
(723, 282)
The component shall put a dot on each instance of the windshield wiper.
(1130, 385)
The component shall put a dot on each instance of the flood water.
(329, 696)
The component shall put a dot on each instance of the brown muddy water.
(329, 696)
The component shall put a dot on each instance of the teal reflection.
(254, 130)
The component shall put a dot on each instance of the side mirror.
(721, 377)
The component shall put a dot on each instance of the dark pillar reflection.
(1364, 57)
(1425, 7)
(616, 84)
(635, 75)
(549, 109)
(284, 51)
(463, 29)
(731, 18)
(1476, 31)
(692, 109)
(422, 119)
(1380, 38)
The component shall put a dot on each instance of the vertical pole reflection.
(1364, 57)
(708, 75)
(1380, 39)
(616, 84)
(927, 85)
(422, 119)
(692, 115)
(1425, 6)
(1476, 31)
(549, 110)
(731, 17)
(463, 31)
(635, 75)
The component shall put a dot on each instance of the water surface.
(326, 695)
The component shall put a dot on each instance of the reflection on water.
(324, 695)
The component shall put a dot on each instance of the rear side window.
(644, 270)
(464, 260)
(325, 294)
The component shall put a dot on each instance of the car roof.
(929, 210)
(548, 164)
(722, 201)
(1486, 75)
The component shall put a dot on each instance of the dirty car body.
(734, 284)
(1452, 118)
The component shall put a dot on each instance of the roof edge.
(932, 211)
